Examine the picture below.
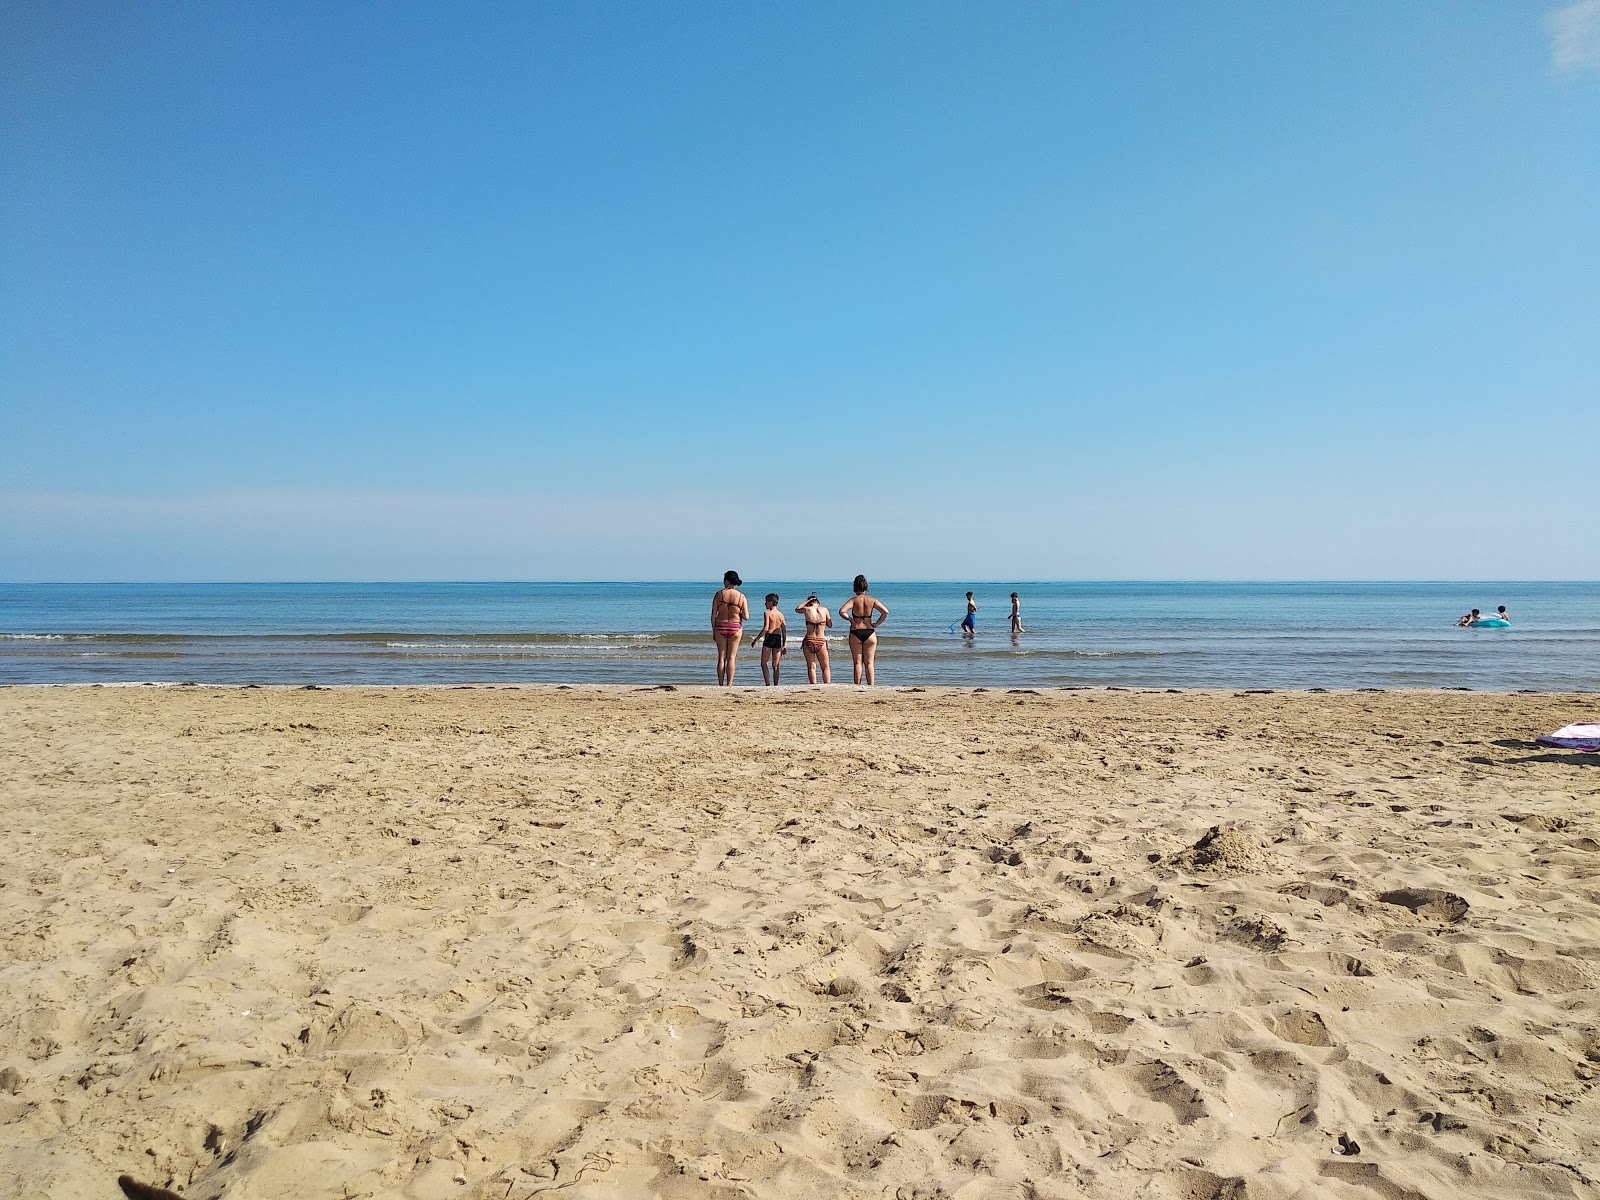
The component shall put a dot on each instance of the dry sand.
(499, 943)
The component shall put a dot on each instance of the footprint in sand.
(358, 1028)
(1302, 1027)
(135, 1190)
(687, 953)
(1428, 902)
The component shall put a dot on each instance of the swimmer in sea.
(969, 623)
(1016, 615)
(774, 639)
(815, 644)
(1503, 614)
(860, 610)
(1469, 618)
(729, 611)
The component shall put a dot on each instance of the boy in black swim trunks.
(774, 639)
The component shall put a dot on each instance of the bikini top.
(726, 608)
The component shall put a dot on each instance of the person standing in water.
(774, 639)
(865, 614)
(1503, 614)
(969, 623)
(1016, 615)
(729, 611)
(814, 646)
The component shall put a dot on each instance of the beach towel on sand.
(1583, 736)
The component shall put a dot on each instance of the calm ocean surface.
(1336, 635)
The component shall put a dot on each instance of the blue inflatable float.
(1489, 623)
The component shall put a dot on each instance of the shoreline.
(458, 941)
(788, 688)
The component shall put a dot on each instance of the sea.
(1229, 635)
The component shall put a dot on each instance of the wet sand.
(915, 944)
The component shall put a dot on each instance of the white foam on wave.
(485, 647)
(553, 644)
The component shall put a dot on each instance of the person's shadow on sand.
(1579, 758)
(1576, 758)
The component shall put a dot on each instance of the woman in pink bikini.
(815, 643)
(865, 614)
(729, 611)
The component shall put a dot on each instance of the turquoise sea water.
(1336, 635)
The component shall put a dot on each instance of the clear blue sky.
(1168, 290)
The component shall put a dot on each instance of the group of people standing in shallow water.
(730, 609)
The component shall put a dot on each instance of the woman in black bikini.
(859, 610)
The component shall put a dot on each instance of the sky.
(420, 291)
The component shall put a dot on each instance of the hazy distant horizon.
(714, 581)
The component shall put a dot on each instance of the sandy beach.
(510, 942)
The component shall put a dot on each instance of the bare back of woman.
(729, 611)
(815, 644)
(865, 613)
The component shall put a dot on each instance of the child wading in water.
(774, 638)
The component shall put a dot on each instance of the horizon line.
(711, 581)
